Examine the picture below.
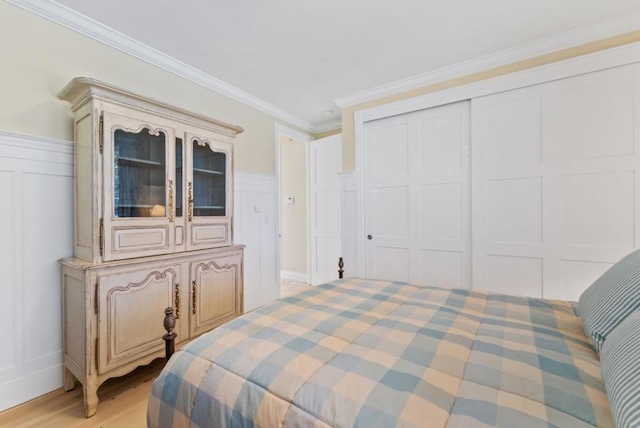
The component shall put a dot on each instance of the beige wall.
(327, 133)
(348, 133)
(38, 58)
(293, 218)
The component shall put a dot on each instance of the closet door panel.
(418, 197)
(556, 178)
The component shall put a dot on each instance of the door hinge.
(95, 298)
(101, 237)
(101, 133)
(97, 352)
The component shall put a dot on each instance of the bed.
(371, 353)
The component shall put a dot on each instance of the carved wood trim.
(110, 310)
(206, 267)
(152, 130)
(206, 142)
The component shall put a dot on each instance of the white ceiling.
(299, 55)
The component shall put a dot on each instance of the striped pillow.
(610, 299)
(620, 365)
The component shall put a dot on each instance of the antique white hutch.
(153, 229)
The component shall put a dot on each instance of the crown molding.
(327, 126)
(68, 18)
(565, 40)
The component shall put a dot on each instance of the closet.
(531, 191)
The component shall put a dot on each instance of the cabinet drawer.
(216, 292)
(130, 305)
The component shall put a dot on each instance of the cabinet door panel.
(130, 313)
(216, 292)
(209, 191)
(138, 186)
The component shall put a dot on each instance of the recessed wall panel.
(42, 297)
(441, 145)
(389, 149)
(441, 268)
(577, 276)
(596, 120)
(514, 210)
(441, 211)
(392, 207)
(391, 264)
(7, 262)
(598, 209)
(514, 133)
(327, 205)
(519, 276)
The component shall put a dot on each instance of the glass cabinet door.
(209, 192)
(139, 173)
(139, 187)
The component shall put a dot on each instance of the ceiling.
(299, 55)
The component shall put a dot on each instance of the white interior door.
(556, 183)
(417, 197)
(325, 163)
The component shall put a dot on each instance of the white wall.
(255, 225)
(36, 220)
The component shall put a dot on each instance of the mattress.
(369, 353)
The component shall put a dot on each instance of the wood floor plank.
(123, 403)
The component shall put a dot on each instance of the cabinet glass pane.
(209, 184)
(179, 172)
(139, 174)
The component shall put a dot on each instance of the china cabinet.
(153, 228)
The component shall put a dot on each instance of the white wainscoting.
(349, 202)
(255, 221)
(36, 229)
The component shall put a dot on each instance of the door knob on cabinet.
(369, 237)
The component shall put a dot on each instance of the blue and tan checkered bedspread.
(385, 354)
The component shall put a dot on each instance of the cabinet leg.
(90, 398)
(69, 380)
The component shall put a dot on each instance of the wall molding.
(558, 42)
(36, 183)
(294, 276)
(613, 57)
(81, 24)
(255, 223)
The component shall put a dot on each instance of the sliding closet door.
(556, 183)
(417, 197)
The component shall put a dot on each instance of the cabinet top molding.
(81, 90)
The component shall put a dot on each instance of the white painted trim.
(614, 57)
(255, 300)
(360, 191)
(37, 144)
(349, 225)
(81, 24)
(294, 276)
(327, 126)
(565, 40)
(260, 182)
(280, 129)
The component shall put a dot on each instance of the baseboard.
(294, 276)
(26, 388)
(253, 299)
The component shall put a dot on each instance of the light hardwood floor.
(123, 403)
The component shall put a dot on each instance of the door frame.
(281, 130)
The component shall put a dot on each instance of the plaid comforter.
(385, 354)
